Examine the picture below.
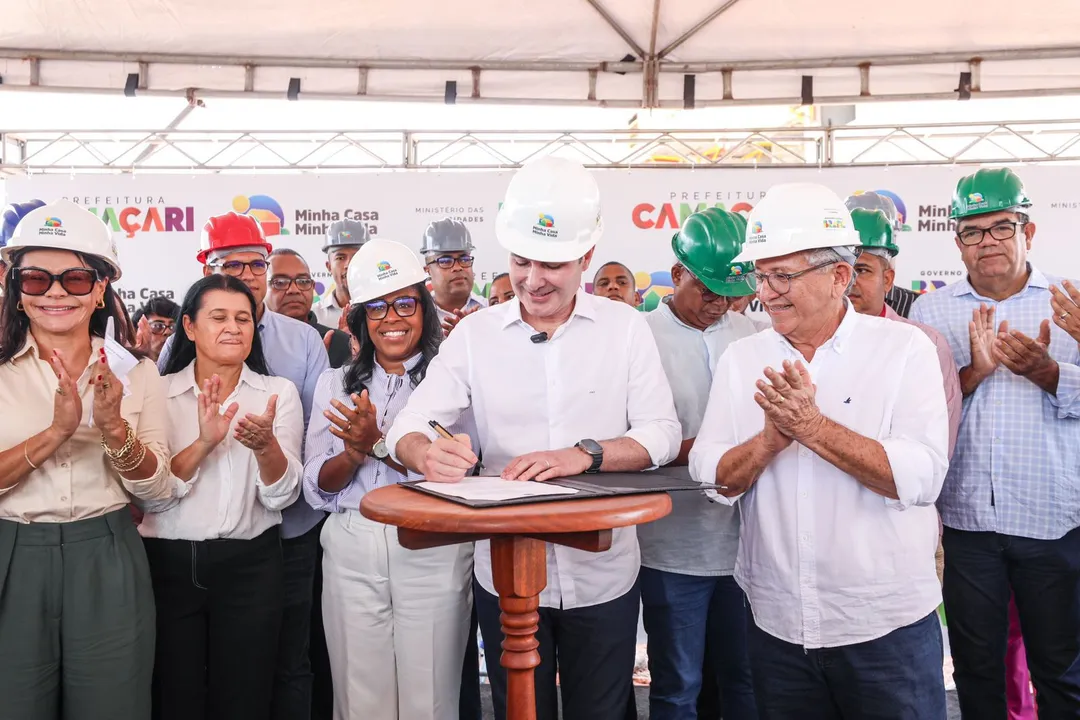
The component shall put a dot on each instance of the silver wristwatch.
(379, 451)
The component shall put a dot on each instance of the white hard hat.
(381, 267)
(63, 225)
(793, 217)
(551, 212)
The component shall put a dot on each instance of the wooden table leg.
(519, 571)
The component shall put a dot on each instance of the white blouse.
(226, 498)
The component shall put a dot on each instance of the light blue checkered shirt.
(1016, 469)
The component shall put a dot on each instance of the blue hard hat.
(12, 215)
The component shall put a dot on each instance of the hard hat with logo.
(381, 267)
(13, 213)
(707, 244)
(346, 233)
(551, 212)
(63, 225)
(876, 201)
(793, 217)
(989, 190)
(874, 230)
(447, 235)
(231, 231)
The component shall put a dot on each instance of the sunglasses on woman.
(404, 307)
(38, 281)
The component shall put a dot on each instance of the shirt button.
(63, 498)
(63, 464)
(804, 493)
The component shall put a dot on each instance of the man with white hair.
(831, 432)
(548, 405)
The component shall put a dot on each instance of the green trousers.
(76, 621)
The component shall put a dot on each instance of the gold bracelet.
(26, 454)
(127, 465)
(129, 443)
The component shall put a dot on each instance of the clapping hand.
(451, 321)
(214, 424)
(357, 426)
(789, 401)
(67, 405)
(256, 432)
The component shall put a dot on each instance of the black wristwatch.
(593, 450)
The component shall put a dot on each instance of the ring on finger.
(1063, 315)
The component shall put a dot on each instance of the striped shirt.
(900, 300)
(1014, 471)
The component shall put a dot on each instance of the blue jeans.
(895, 677)
(1044, 577)
(684, 615)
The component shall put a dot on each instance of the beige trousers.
(396, 620)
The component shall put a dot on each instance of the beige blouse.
(77, 482)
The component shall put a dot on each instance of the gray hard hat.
(876, 201)
(346, 233)
(447, 235)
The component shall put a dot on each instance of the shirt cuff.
(404, 424)
(315, 496)
(281, 493)
(703, 465)
(913, 473)
(656, 442)
(158, 486)
(1067, 397)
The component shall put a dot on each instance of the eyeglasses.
(236, 268)
(404, 307)
(707, 295)
(1000, 231)
(781, 282)
(38, 281)
(160, 327)
(282, 282)
(446, 262)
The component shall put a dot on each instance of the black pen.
(443, 432)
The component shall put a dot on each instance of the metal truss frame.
(650, 64)
(222, 151)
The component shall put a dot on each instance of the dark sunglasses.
(282, 283)
(403, 306)
(236, 268)
(38, 281)
(446, 262)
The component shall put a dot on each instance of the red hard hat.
(231, 230)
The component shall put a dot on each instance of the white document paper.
(121, 362)
(495, 489)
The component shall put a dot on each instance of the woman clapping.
(76, 605)
(397, 620)
(214, 548)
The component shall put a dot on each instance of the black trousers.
(469, 707)
(218, 616)
(293, 678)
(1044, 577)
(591, 649)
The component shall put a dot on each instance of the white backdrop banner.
(157, 218)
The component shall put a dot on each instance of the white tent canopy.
(618, 53)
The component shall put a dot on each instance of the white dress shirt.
(226, 498)
(824, 561)
(599, 377)
(327, 310)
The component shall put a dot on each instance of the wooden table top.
(406, 508)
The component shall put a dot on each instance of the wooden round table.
(518, 557)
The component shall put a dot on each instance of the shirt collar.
(30, 346)
(890, 314)
(184, 381)
(584, 306)
(840, 337)
(665, 308)
(1036, 279)
(329, 300)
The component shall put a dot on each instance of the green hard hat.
(707, 244)
(874, 229)
(988, 190)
